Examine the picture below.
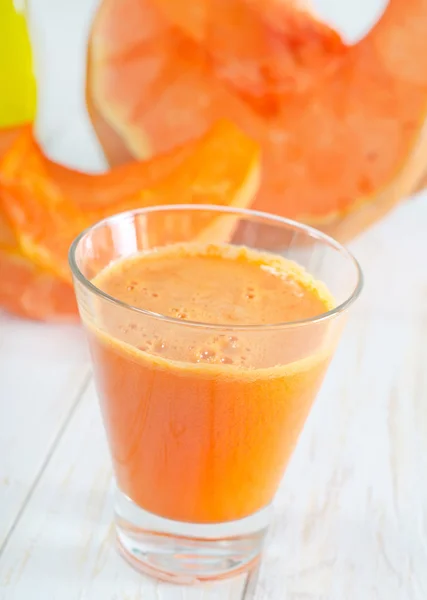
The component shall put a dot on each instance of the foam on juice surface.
(213, 284)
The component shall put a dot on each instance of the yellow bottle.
(17, 82)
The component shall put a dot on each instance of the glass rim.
(243, 212)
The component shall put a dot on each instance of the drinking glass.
(199, 448)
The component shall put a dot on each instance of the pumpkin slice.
(340, 144)
(341, 155)
(30, 292)
(259, 49)
(176, 98)
(48, 205)
(195, 18)
(25, 289)
(7, 238)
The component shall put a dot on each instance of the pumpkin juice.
(202, 409)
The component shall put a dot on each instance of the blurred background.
(59, 31)
(351, 517)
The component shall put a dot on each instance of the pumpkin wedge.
(341, 127)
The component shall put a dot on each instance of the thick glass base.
(187, 553)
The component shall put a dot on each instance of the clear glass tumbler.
(199, 449)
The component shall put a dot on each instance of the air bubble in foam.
(226, 360)
(206, 355)
(160, 347)
(131, 286)
(232, 342)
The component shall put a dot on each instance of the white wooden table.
(351, 518)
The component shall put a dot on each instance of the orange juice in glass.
(208, 353)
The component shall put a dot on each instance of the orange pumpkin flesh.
(44, 206)
(340, 126)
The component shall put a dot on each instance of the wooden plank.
(352, 512)
(40, 377)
